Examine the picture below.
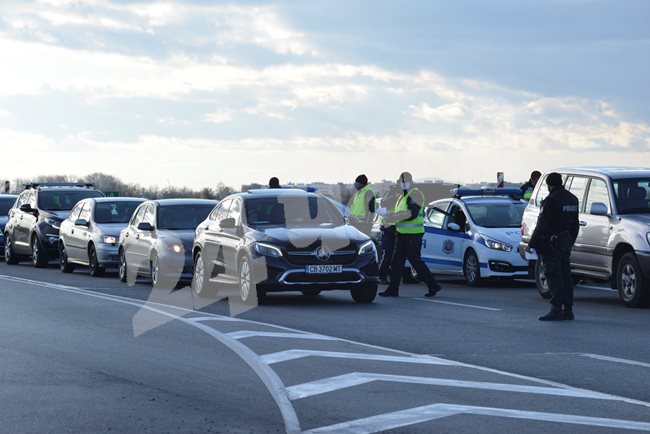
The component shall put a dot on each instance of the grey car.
(89, 235)
(157, 242)
(614, 239)
(6, 203)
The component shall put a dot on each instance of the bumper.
(644, 263)
(176, 267)
(502, 264)
(107, 255)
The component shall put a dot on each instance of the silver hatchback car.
(90, 234)
(614, 239)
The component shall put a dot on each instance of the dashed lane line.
(471, 306)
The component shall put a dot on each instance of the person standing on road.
(362, 205)
(388, 233)
(7, 187)
(274, 183)
(554, 235)
(409, 224)
(529, 186)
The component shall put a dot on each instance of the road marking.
(211, 318)
(616, 360)
(242, 334)
(427, 413)
(283, 356)
(339, 382)
(459, 304)
(597, 288)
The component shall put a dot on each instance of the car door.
(213, 250)
(595, 229)
(578, 186)
(454, 242)
(131, 238)
(19, 232)
(230, 238)
(144, 240)
(70, 233)
(435, 234)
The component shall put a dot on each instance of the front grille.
(344, 256)
(346, 276)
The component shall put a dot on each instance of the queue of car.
(273, 240)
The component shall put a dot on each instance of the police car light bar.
(460, 192)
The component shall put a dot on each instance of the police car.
(475, 234)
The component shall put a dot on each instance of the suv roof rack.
(514, 193)
(35, 185)
(282, 190)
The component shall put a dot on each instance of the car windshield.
(115, 212)
(292, 211)
(63, 200)
(497, 214)
(182, 217)
(5, 205)
(632, 195)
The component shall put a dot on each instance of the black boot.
(554, 315)
(567, 313)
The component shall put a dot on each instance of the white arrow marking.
(287, 355)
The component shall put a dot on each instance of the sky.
(193, 93)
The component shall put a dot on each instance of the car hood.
(506, 235)
(184, 237)
(59, 215)
(112, 229)
(640, 222)
(333, 237)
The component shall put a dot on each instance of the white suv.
(614, 239)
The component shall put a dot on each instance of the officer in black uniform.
(553, 237)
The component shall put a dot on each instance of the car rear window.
(182, 217)
(115, 212)
(5, 204)
(63, 200)
(632, 195)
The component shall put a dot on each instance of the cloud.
(444, 112)
(220, 116)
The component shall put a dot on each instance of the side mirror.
(145, 226)
(228, 223)
(81, 222)
(598, 208)
(27, 208)
(453, 227)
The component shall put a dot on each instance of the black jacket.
(559, 214)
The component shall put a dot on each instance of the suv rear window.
(632, 195)
(63, 200)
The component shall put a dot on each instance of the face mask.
(405, 185)
(358, 185)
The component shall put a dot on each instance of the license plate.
(323, 269)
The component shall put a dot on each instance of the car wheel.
(247, 289)
(39, 255)
(632, 286)
(93, 263)
(154, 270)
(364, 295)
(541, 281)
(472, 269)
(199, 281)
(310, 292)
(10, 255)
(66, 266)
(122, 267)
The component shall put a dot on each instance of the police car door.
(455, 240)
(435, 236)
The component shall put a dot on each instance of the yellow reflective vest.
(416, 225)
(359, 206)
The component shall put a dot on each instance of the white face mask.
(405, 185)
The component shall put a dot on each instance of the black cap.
(405, 177)
(535, 175)
(362, 179)
(274, 182)
(554, 179)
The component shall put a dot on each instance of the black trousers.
(408, 246)
(557, 267)
(388, 236)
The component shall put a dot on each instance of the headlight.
(267, 250)
(54, 223)
(367, 248)
(176, 248)
(497, 245)
(648, 237)
(109, 239)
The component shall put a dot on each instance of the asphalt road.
(82, 354)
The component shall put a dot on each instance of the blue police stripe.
(458, 264)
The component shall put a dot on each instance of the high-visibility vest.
(359, 206)
(413, 226)
(528, 194)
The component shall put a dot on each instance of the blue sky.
(198, 92)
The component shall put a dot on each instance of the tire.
(311, 292)
(66, 267)
(93, 263)
(541, 281)
(39, 255)
(10, 255)
(247, 288)
(364, 295)
(472, 269)
(633, 288)
(122, 267)
(199, 280)
(154, 270)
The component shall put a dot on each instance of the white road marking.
(357, 378)
(212, 318)
(459, 304)
(283, 356)
(242, 334)
(436, 411)
(616, 360)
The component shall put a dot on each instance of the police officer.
(553, 237)
(409, 224)
(362, 205)
(274, 182)
(388, 233)
(529, 186)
